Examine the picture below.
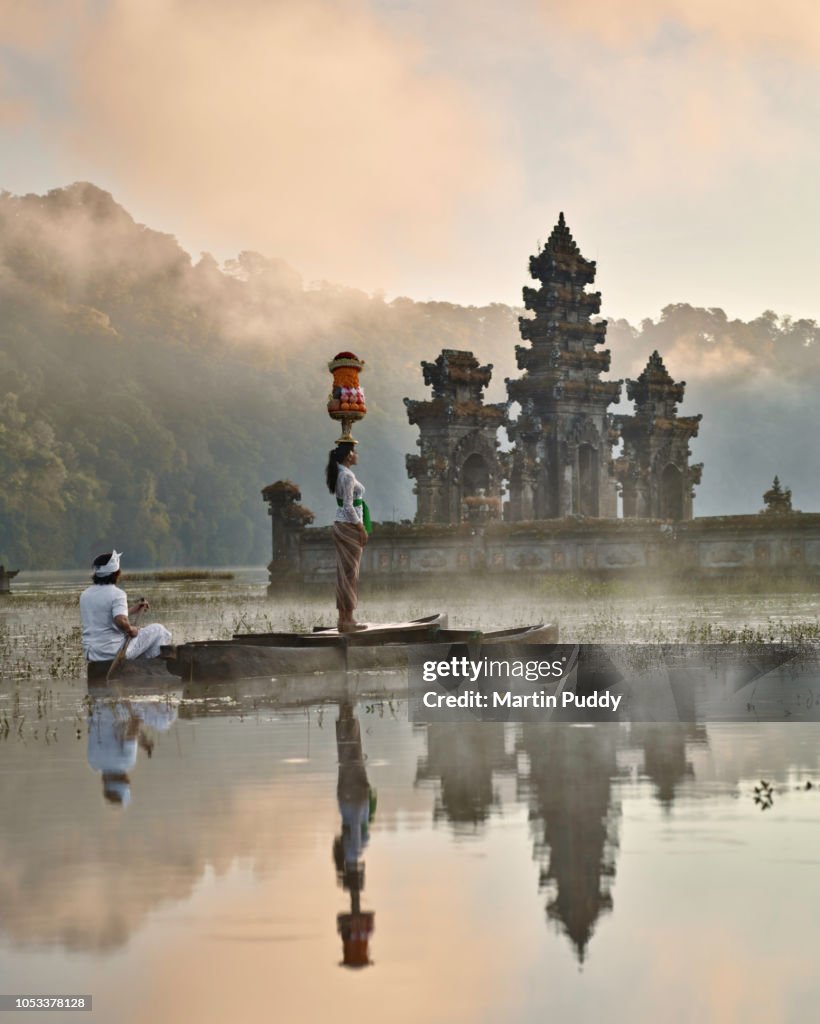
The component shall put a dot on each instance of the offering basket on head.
(346, 401)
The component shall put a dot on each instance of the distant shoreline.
(165, 575)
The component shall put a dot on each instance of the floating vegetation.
(764, 792)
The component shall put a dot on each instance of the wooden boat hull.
(127, 671)
(380, 648)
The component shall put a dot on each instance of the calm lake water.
(205, 855)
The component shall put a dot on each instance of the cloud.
(308, 130)
(661, 125)
(677, 124)
(734, 25)
(33, 27)
(13, 110)
(424, 148)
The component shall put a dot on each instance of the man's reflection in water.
(357, 805)
(117, 730)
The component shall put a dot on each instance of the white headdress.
(111, 566)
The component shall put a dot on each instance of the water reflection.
(566, 775)
(357, 805)
(117, 729)
(463, 757)
(665, 758)
(574, 818)
(585, 844)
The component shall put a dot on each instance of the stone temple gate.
(459, 472)
(561, 462)
(654, 470)
(549, 504)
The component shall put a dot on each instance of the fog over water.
(40, 638)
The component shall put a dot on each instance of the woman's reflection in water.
(116, 733)
(357, 805)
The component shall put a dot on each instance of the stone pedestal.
(6, 576)
(288, 520)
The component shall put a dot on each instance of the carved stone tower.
(459, 470)
(654, 469)
(561, 462)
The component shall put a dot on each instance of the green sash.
(362, 504)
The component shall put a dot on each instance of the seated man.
(104, 612)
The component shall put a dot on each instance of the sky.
(426, 147)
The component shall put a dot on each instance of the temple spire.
(654, 470)
(459, 470)
(561, 238)
(563, 436)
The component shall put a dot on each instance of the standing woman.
(350, 531)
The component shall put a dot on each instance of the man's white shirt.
(99, 605)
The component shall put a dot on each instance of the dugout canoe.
(139, 671)
(382, 646)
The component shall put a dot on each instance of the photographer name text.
(505, 699)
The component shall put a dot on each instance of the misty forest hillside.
(145, 399)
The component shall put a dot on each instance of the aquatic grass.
(774, 632)
(40, 633)
(585, 586)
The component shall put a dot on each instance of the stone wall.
(718, 546)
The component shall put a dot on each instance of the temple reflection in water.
(568, 777)
(665, 759)
(231, 825)
(463, 757)
(574, 821)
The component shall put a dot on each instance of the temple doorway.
(475, 476)
(587, 480)
(671, 493)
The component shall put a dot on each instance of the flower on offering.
(346, 399)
